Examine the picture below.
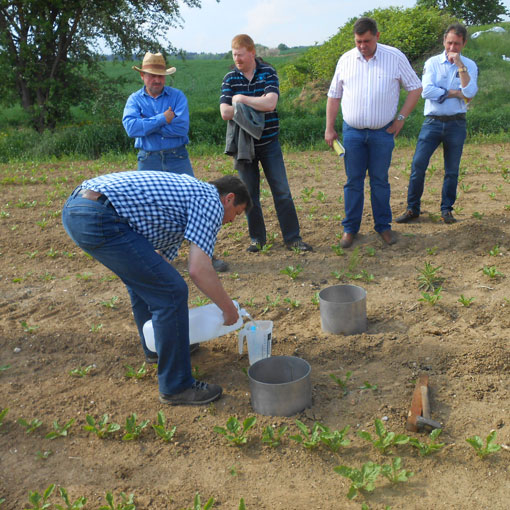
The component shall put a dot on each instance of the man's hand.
(330, 135)
(454, 58)
(395, 127)
(231, 316)
(169, 115)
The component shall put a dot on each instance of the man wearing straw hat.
(157, 117)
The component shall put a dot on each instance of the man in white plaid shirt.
(134, 223)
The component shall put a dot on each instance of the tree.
(50, 48)
(473, 12)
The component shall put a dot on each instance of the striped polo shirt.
(264, 81)
(370, 89)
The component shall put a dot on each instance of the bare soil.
(54, 318)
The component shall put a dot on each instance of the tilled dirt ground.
(60, 310)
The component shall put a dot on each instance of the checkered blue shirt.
(165, 208)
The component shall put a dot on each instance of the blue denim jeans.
(367, 149)
(172, 160)
(271, 159)
(157, 290)
(452, 134)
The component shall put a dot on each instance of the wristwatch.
(463, 69)
(401, 117)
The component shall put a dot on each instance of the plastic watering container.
(258, 336)
(205, 323)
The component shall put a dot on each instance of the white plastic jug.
(205, 323)
(258, 335)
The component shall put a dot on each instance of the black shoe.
(298, 245)
(219, 265)
(448, 217)
(407, 216)
(198, 394)
(255, 247)
(152, 358)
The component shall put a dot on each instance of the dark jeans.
(452, 134)
(157, 290)
(367, 149)
(271, 159)
(171, 160)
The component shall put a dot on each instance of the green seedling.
(250, 302)
(427, 448)
(95, 328)
(385, 439)
(273, 437)
(272, 303)
(126, 503)
(433, 298)
(43, 455)
(492, 195)
(484, 187)
(31, 425)
(40, 501)
(111, 303)
(368, 386)
(364, 275)
(432, 251)
(362, 480)
(465, 187)
(464, 301)
(242, 506)
(339, 275)
(52, 253)
(108, 278)
(42, 223)
(306, 194)
(342, 382)
(296, 249)
(60, 430)
(489, 448)
(75, 505)
(458, 209)
(393, 472)
(27, 328)
(428, 277)
(197, 504)
(132, 429)
(434, 217)
(334, 439)
(236, 433)
(294, 303)
(160, 428)
(136, 373)
(85, 277)
(4, 367)
(370, 251)
(234, 276)
(338, 250)
(321, 196)
(477, 215)
(233, 470)
(492, 271)
(265, 249)
(101, 428)
(315, 299)
(200, 301)
(197, 373)
(493, 252)
(308, 438)
(3, 414)
(32, 254)
(81, 371)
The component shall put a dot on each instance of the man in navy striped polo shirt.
(254, 83)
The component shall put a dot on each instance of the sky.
(269, 22)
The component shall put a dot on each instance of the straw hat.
(154, 63)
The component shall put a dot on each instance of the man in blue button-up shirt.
(157, 116)
(449, 84)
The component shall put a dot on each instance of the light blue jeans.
(172, 160)
(367, 149)
(157, 290)
(452, 134)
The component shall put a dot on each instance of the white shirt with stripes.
(370, 89)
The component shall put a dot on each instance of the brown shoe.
(388, 237)
(347, 239)
(407, 216)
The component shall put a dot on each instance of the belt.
(96, 197)
(447, 118)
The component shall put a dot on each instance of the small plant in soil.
(133, 429)
(139, 373)
(427, 448)
(3, 414)
(432, 251)
(166, 434)
(492, 272)
(315, 299)
(368, 386)
(334, 439)
(40, 501)
(200, 301)
(306, 194)
(3, 368)
(370, 251)
(60, 430)
(489, 448)
(265, 249)
(342, 382)
(235, 431)
(101, 428)
(27, 328)
(78, 504)
(384, 439)
(477, 215)
(31, 425)
(126, 503)
(197, 503)
(309, 438)
(428, 277)
(95, 328)
(273, 437)
(338, 250)
(111, 303)
(464, 301)
(362, 479)
(493, 252)
(431, 298)
(43, 455)
(81, 371)
(394, 473)
(293, 303)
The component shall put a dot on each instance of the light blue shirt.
(144, 120)
(439, 76)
